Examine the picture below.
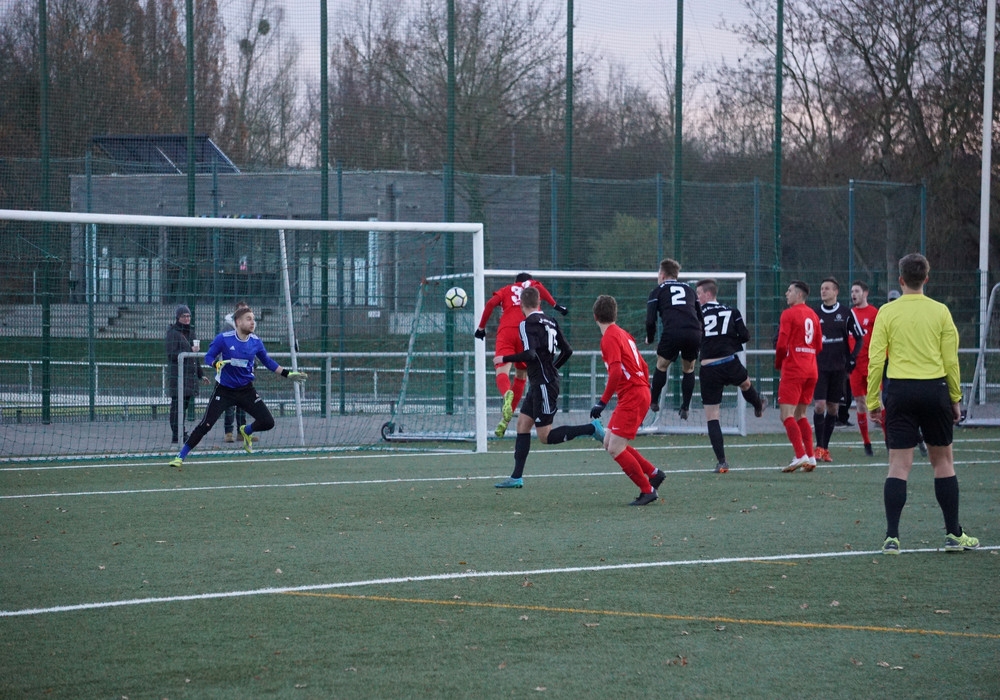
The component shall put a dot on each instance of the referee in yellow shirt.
(918, 339)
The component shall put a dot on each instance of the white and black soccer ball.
(455, 298)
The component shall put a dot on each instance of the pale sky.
(621, 31)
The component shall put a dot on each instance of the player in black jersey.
(541, 339)
(675, 305)
(834, 361)
(724, 337)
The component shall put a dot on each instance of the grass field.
(408, 575)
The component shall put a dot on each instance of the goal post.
(982, 403)
(336, 301)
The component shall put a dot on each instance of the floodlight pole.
(984, 195)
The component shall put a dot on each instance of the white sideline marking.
(417, 480)
(445, 577)
(264, 456)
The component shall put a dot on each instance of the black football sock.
(751, 396)
(565, 433)
(659, 381)
(946, 490)
(715, 437)
(687, 389)
(522, 445)
(844, 413)
(894, 495)
(828, 424)
(819, 428)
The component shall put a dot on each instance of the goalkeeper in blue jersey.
(234, 354)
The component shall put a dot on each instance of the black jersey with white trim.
(676, 306)
(542, 339)
(837, 323)
(725, 332)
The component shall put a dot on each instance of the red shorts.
(628, 414)
(859, 382)
(796, 390)
(509, 343)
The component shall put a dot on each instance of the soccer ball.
(455, 298)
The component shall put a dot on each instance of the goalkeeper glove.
(480, 334)
(219, 364)
(298, 377)
(561, 309)
(598, 408)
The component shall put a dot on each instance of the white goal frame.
(475, 230)
(977, 404)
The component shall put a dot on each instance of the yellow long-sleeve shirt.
(921, 341)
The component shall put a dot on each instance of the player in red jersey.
(864, 318)
(509, 340)
(628, 377)
(799, 341)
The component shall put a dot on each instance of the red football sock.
(863, 427)
(632, 469)
(794, 436)
(503, 383)
(807, 436)
(647, 467)
(518, 390)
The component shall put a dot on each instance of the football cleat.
(810, 464)
(510, 483)
(500, 429)
(657, 478)
(683, 413)
(758, 410)
(796, 463)
(598, 430)
(507, 410)
(891, 545)
(644, 499)
(176, 462)
(247, 440)
(869, 452)
(958, 543)
(922, 446)
(722, 468)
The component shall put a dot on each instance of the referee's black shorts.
(915, 406)
(716, 377)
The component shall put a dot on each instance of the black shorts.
(716, 377)
(915, 406)
(830, 386)
(685, 344)
(540, 403)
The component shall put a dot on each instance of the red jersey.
(627, 371)
(799, 341)
(865, 319)
(509, 300)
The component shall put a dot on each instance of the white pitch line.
(270, 457)
(444, 577)
(419, 480)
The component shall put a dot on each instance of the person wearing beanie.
(178, 340)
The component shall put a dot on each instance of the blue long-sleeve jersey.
(241, 355)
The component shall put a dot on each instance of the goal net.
(84, 319)
(584, 376)
(982, 403)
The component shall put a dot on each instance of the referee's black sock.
(894, 495)
(946, 490)
(659, 381)
(715, 437)
(522, 445)
(565, 433)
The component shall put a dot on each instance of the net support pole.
(291, 333)
(478, 303)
